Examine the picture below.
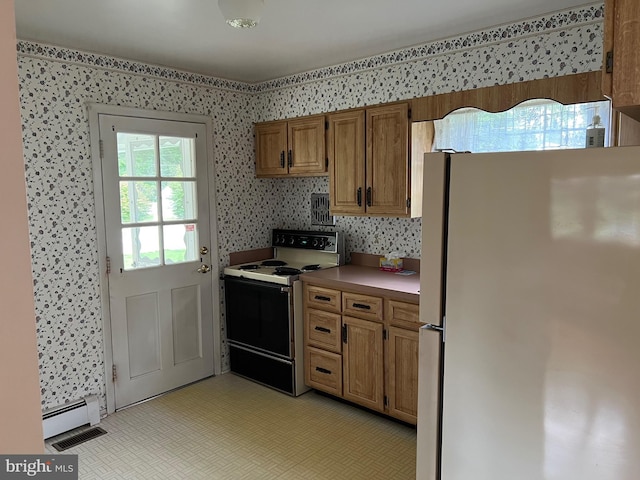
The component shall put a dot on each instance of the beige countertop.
(367, 280)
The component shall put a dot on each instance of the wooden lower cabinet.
(363, 348)
(323, 370)
(402, 374)
(323, 329)
(363, 363)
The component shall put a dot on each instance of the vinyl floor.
(229, 428)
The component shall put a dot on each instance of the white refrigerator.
(530, 281)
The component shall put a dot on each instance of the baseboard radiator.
(85, 411)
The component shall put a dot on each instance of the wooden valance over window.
(568, 89)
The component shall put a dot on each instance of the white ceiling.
(293, 36)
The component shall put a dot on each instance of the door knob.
(204, 250)
(204, 268)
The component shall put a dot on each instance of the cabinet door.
(346, 149)
(402, 379)
(387, 168)
(306, 153)
(607, 47)
(622, 34)
(271, 146)
(363, 363)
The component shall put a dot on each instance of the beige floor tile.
(229, 428)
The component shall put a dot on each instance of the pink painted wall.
(20, 415)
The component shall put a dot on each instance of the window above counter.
(538, 124)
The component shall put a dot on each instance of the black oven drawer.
(258, 314)
(270, 371)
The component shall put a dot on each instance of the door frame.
(95, 110)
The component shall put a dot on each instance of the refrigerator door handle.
(437, 328)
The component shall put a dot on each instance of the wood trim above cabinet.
(568, 89)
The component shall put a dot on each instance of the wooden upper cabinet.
(621, 68)
(271, 149)
(306, 153)
(346, 153)
(387, 166)
(291, 148)
(372, 166)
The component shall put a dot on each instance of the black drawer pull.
(323, 370)
(323, 298)
(323, 329)
(362, 305)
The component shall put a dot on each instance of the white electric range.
(263, 302)
(295, 252)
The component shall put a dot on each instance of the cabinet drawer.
(323, 370)
(323, 298)
(362, 306)
(322, 329)
(404, 315)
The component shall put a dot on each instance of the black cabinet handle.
(362, 305)
(290, 159)
(323, 298)
(368, 196)
(609, 62)
(323, 370)
(344, 334)
(359, 195)
(282, 159)
(323, 329)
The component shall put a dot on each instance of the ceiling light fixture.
(241, 13)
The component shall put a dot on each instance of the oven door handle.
(285, 289)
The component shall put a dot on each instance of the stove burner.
(249, 267)
(287, 271)
(273, 263)
(311, 267)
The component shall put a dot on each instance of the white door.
(154, 175)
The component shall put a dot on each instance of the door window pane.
(177, 157)
(179, 201)
(141, 247)
(180, 243)
(138, 202)
(137, 155)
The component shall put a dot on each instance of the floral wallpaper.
(56, 84)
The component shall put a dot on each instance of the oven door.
(259, 315)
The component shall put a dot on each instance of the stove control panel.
(322, 241)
